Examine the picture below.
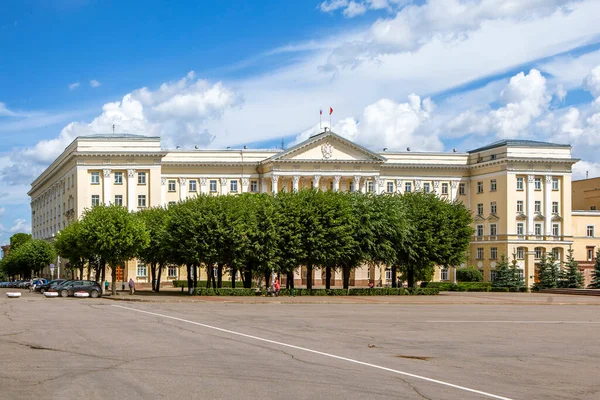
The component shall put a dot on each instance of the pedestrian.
(30, 284)
(106, 286)
(131, 286)
(277, 286)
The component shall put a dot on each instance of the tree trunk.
(248, 280)
(81, 272)
(153, 274)
(309, 273)
(267, 280)
(346, 273)
(394, 278)
(102, 271)
(233, 274)
(113, 270)
(212, 274)
(291, 278)
(220, 276)
(195, 277)
(410, 276)
(189, 277)
(328, 278)
(160, 268)
(89, 270)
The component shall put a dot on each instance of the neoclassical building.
(519, 191)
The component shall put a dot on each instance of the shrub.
(424, 291)
(469, 274)
(225, 292)
(499, 289)
(313, 292)
(378, 292)
(461, 287)
(202, 284)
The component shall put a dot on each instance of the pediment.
(556, 217)
(326, 147)
(539, 217)
(478, 218)
(521, 216)
(493, 217)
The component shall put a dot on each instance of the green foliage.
(469, 274)
(508, 275)
(29, 256)
(596, 273)
(183, 284)
(313, 292)
(460, 287)
(547, 273)
(19, 239)
(571, 276)
(70, 245)
(378, 292)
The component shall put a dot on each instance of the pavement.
(452, 346)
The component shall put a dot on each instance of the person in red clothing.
(277, 286)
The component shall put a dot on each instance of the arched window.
(520, 253)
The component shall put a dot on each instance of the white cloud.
(354, 9)
(94, 83)
(332, 5)
(5, 112)
(2, 209)
(585, 169)
(74, 85)
(20, 225)
(592, 82)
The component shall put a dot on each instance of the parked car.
(44, 287)
(70, 287)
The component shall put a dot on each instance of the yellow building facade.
(519, 191)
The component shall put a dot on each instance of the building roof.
(117, 136)
(517, 143)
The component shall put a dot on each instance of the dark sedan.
(70, 287)
(45, 287)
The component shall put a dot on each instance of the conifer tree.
(573, 277)
(596, 273)
(503, 273)
(516, 278)
(547, 273)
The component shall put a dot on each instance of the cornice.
(426, 166)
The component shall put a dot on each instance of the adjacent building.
(519, 190)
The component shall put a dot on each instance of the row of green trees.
(551, 276)
(255, 234)
(27, 257)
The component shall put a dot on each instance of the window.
(493, 229)
(539, 252)
(95, 178)
(480, 230)
(493, 207)
(213, 186)
(68, 183)
(254, 186)
(479, 187)
(590, 253)
(390, 187)
(520, 229)
(538, 206)
(172, 203)
(493, 185)
(520, 183)
(444, 275)
(141, 178)
(537, 183)
(444, 188)
(493, 157)
(480, 253)
(95, 200)
(555, 207)
(427, 187)
(172, 272)
(118, 178)
(370, 186)
(492, 275)
(192, 185)
(118, 200)
(462, 189)
(493, 253)
(141, 200)
(520, 253)
(555, 230)
(233, 185)
(590, 231)
(554, 183)
(538, 229)
(171, 187)
(141, 270)
(480, 209)
(388, 274)
(408, 187)
(519, 206)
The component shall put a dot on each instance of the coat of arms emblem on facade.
(327, 150)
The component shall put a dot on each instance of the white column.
(163, 191)
(107, 184)
(399, 188)
(356, 183)
(245, 183)
(263, 185)
(336, 183)
(316, 180)
(530, 204)
(131, 184)
(182, 189)
(548, 204)
(453, 186)
(223, 185)
(203, 186)
(274, 183)
(295, 181)
(378, 184)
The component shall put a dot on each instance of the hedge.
(202, 284)
(460, 287)
(225, 292)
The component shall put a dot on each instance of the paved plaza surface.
(458, 346)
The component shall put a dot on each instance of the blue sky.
(398, 73)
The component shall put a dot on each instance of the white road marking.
(510, 322)
(322, 354)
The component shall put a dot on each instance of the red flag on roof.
(330, 110)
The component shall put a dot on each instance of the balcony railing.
(493, 238)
